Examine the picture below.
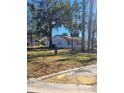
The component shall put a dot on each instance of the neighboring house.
(64, 41)
(46, 41)
(35, 41)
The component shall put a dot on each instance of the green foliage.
(42, 42)
(65, 34)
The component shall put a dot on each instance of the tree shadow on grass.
(88, 61)
(30, 57)
(61, 60)
(38, 48)
(47, 55)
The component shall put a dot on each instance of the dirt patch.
(37, 69)
(72, 79)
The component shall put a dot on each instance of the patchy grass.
(43, 62)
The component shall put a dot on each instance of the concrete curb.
(54, 74)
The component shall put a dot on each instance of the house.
(32, 41)
(61, 41)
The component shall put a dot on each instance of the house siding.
(61, 42)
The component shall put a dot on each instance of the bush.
(42, 42)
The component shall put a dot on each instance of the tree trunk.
(50, 36)
(83, 42)
(83, 26)
(92, 42)
(89, 26)
(93, 34)
(75, 43)
(72, 42)
(50, 33)
(31, 40)
(50, 39)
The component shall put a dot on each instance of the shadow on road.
(31, 92)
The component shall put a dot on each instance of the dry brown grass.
(45, 62)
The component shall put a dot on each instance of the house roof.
(68, 37)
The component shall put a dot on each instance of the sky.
(59, 31)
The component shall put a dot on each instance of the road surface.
(71, 82)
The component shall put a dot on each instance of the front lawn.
(43, 62)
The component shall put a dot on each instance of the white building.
(64, 41)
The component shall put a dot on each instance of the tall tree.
(46, 15)
(89, 24)
(75, 22)
(68, 19)
(30, 11)
(83, 25)
(94, 30)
